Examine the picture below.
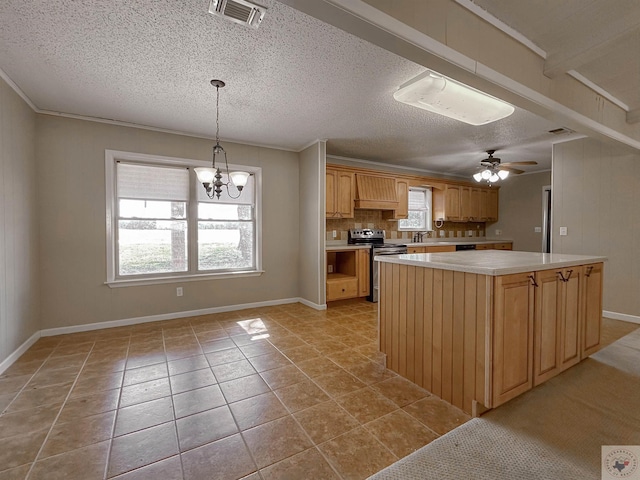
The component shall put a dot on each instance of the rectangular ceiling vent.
(560, 131)
(239, 11)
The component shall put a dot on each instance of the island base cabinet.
(557, 322)
(433, 326)
(592, 304)
(512, 336)
(478, 341)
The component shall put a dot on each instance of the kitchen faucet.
(417, 237)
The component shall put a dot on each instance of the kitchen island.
(478, 328)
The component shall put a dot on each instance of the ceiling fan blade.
(515, 171)
(529, 162)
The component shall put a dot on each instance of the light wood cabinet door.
(492, 205)
(571, 322)
(346, 194)
(402, 187)
(546, 358)
(340, 190)
(452, 202)
(465, 203)
(416, 249)
(474, 208)
(558, 323)
(512, 370)
(402, 211)
(364, 272)
(331, 191)
(592, 308)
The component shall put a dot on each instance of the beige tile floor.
(270, 393)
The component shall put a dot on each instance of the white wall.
(596, 195)
(70, 156)
(521, 210)
(312, 223)
(19, 295)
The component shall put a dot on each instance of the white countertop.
(336, 245)
(491, 262)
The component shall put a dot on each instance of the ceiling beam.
(584, 48)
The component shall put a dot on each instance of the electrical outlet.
(442, 233)
(538, 229)
(334, 234)
(563, 231)
(330, 268)
(470, 233)
(498, 233)
(179, 292)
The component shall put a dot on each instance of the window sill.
(181, 279)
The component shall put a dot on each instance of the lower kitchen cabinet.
(347, 274)
(557, 322)
(544, 323)
(592, 280)
(513, 336)
(364, 272)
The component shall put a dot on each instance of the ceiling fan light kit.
(442, 95)
(493, 171)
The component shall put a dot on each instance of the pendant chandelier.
(211, 178)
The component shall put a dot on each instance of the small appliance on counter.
(375, 238)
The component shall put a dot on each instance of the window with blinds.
(419, 218)
(162, 225)
(226, 229)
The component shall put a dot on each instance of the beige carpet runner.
(554, 431)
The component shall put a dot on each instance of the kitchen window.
(419, 218)
(162, 227)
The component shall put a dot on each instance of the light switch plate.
(498, 232)
(538, 229)
(563, 231)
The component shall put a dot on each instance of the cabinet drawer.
(343, 288)
(441, 248)
(485, 246)
(416, 249)
(503, 246)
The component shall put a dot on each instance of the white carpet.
(553, 432)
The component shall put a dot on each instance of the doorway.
(546, 219)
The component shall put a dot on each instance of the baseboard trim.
(50, 332)
(621, 316)
(15, 355)
(125, 322)
(315, 306)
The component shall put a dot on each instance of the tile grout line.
(44, 442)
(115, 417)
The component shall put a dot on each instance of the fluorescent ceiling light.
(439, 94)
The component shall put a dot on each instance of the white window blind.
(152, 182)
(417, 199)
(246, 198)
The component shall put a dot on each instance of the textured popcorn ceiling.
(290, 82)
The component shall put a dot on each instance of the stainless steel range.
(375, 238)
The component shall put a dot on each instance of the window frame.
(429, 212)
(112, 157)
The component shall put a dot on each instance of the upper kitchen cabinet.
(402, 210)
(489, 205)
(340, 193)
(461, 203)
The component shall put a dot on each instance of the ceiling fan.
(493, 170)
